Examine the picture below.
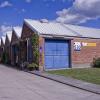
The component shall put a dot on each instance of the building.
(51, 45)
(61, 46)
(86, 46)
(15, 45)
(2, 48)
(2, 43)
(8, 46)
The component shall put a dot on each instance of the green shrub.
(96, 62)
(33, 66)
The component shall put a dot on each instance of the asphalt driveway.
(19, 85)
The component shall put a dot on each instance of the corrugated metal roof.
(85, 31)
(3, 39)
(49, 28)
(18, 31)
(62, 29)
(9, 35)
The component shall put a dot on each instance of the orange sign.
(91, 44)
(85, 44)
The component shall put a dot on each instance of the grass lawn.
(91, 75)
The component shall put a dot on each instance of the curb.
(69, 81)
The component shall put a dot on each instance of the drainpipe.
(27, 49)
(11, 55)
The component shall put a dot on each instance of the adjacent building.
(8, 46)
(3, 42)
(0, 50)
(15, 45)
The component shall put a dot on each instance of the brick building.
(8, 46)
(15, 45)
(60, 45)
(0, 50)
(2, 44)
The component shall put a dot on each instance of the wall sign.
(88, 44)
(78, 45)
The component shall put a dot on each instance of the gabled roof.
(9, 35)
(54, 28)
(3, 39)
(47, 28)
(18, 31)
(85, 31)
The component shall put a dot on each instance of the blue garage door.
(56, 54)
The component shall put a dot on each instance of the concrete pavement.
(18, 85)
(69, 81)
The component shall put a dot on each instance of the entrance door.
(56, 54)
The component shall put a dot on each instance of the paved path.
(18, 85)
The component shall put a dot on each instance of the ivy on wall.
(35, 46)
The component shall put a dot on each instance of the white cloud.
(80, 12)
(20, 10)
(5, 4)
(23, 10)
(28, 1)
(4, 29)
(58, 0)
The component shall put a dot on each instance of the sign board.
(84, 44)
(79, 45)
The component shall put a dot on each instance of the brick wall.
(0, 53)
(26, 32)
(82, 58)
(15, 41)
(8, 49)
(41, 53)
(14, 38)
(2, 47)
(85, 56)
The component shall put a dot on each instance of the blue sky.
(81, 12)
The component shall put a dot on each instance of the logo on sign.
(77, 46)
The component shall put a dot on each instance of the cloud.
(80, 12)
(28, 1)
(4, 29)
(23, 10)
(5, 4)
(57, 0)
(19, 11)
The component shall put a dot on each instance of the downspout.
(27, 48)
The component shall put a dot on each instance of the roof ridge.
(15, 30)
(29, 25)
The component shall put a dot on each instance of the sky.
(77, 12)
